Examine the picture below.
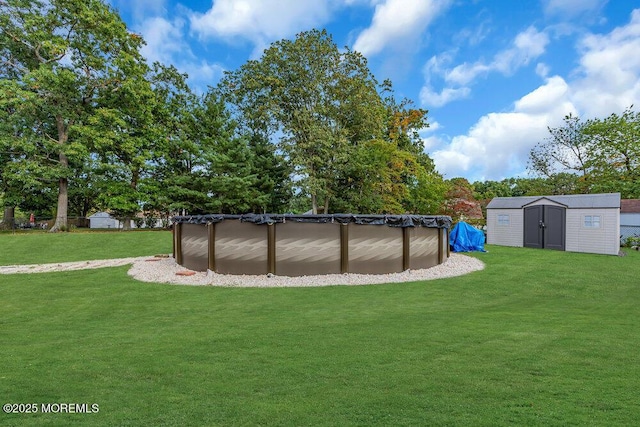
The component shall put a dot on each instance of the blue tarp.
(465, 238)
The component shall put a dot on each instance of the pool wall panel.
(241, 248)
(375, 249)
(195, 246)
(303, 249)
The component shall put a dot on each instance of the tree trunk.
(314, 204)
(63, 204)
(63, 184)
(326, 205)
(8, 219)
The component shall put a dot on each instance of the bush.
(632, 241)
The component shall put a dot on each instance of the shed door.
(554, 230)
(544, 227)
(533, 231)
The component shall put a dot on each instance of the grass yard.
(537, 338)
(41, 247)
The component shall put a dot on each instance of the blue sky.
(492, 73)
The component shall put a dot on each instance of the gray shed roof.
(573, 201)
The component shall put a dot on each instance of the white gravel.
(68, 266)
(164, 270)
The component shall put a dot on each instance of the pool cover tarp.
(465, 238)
(403, 221)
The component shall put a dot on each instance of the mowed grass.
(41, 247)
(537, 338)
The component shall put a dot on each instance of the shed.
(575, 223)
(103, 220)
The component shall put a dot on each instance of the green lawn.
(537, 338)
(42, 247)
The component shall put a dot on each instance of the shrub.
(632, 241)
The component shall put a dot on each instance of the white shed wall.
(511, 235)
(603, 240)
(102, 220)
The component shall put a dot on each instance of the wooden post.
(271, 248)
(211, 228)
(406, 249)
(344, 248)
(177, 240)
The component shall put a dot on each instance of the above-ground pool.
(300, 245)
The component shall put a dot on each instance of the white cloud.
(260, 21)
(498, 145)
(164, 39)
(464, 74)
(607, 81)
(544, 98)
(542, 69)
(437, 99)
(609, 71)
(572, 7)
(398, 21)
(527, 46)
(166, 44)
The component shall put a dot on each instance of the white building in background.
(574, 223)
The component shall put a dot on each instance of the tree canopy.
(348, 147)
(59, 58)
(596, 155)
(87, 124)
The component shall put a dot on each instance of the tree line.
(86, 124)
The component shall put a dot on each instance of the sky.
(493, 74)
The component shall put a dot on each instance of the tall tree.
(568, 149)
(616, 153)
(317, 97)
(228, 173)
(178, 160)
(461, 203)
(60, 53)
(122, 135)
(273, 185)
(349, 148)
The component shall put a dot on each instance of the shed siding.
(511, 235)
(603, 240)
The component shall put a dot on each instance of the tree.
(349, 149)
(273, 186)
(121, 134)
(318, 98)
(176, 184)
(228, 174)
(601, 155)
(60, 54)
(615, 158)
(567, 150)
(426, 187)
(461, 203)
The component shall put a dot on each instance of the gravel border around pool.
(165, 270)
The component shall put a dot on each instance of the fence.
(627, 231)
